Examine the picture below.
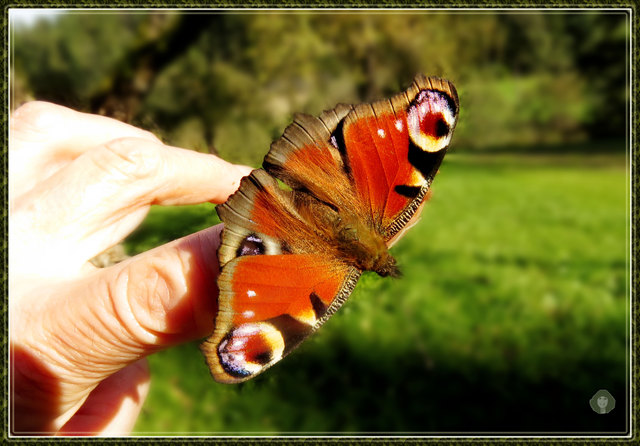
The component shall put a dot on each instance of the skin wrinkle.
(66, 347)
(121, 206)
(42, 130)
(103, 338)
(72, 378)
(185, 263)
(163, 285)
(66, 396)
(103, 332)
(83, 333)
(90, 370)
(73, 336)
(157, 298)
(137, 200)
(68, 399)
(131, 158)
(118, 292)
(154, 291)
(85, 329)
(169, 288)
(51, 333)
(162, 188)
(125, 338)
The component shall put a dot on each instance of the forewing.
(394, 148)
(375, 160)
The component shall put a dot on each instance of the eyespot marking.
(251, 245)
(430, 119)
(264, 357)
(441, 128)
(248, 348)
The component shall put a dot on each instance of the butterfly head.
(431, 118)
(387, 267)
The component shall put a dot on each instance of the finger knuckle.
(145, 294)
(131, 157)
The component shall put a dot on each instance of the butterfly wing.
(277, 283)
(283, 273)
(394, 148)
(307, 159)
(385, 153)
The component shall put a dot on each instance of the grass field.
(512, 313)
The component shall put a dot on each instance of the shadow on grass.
(363, 391)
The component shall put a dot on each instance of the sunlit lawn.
(511, 314)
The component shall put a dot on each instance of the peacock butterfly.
(334, 193)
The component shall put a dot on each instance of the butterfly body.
(347, 238)
(336, 191)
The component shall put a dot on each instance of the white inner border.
(13, 13)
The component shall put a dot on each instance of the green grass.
(511, 314)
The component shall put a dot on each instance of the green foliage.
(69, 59)
(510, 315)
(164, 224)
(534, 78)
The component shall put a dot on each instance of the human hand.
(79, 184)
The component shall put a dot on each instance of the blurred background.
(514, 306)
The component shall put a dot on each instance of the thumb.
(90, 329)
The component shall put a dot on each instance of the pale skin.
(79, 335)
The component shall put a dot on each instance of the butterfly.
(334, 193)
